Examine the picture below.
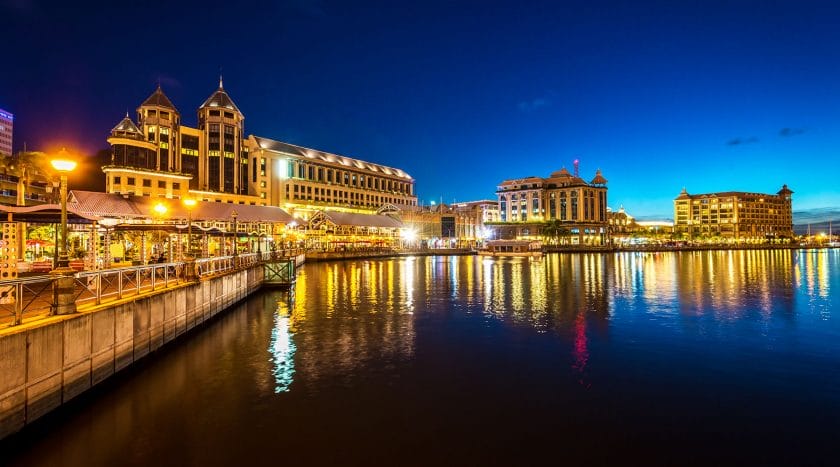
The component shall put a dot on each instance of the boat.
(512, 248)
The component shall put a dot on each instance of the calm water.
(664, 358)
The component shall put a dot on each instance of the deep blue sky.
(659, 95)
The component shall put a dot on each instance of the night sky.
(462, 95)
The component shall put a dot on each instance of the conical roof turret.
(126, 126)
(599, 179)
(159, 99)
(220, 98)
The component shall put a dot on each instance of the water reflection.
(282, 345)
(376, 359)
(366, 310)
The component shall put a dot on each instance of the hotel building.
(7, 121)
(160, 157)
(734, 215)
(528, 204)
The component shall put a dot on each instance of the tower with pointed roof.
(160, 122)
(145, 157)
(222, 125)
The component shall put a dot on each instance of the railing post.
(64, 286)
(18, 303)
(98, 281)
(119, 284)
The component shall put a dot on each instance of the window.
(215, 113)
(117, 179)
(228, 115)
(131, 181)
(176, 185)
(147, 183)
(161, 184)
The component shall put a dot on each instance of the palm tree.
(26, 166)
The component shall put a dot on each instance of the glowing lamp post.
(64, 283)
(64, 166)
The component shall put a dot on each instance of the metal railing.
(34, 295)
(25, 296)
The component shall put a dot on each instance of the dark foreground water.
(656, 358)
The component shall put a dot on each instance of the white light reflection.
(283, 348)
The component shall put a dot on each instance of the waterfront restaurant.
(108, 230)
(339, 231)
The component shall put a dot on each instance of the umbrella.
(38, 242)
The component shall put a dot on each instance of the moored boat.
(512, 248)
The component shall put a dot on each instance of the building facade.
(7, 124)
(578, 206)
(734, 215)
(304, 180)
(441, 226)
(160, 157)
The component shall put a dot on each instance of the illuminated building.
(482, 212)
(734, 215)
(304, 180)
(528, 205)
(624, 229)
(442, 226)
(160, 157)
(7, 121)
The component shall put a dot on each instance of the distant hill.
(818, 219)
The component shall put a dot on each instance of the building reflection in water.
(812, 273)
(367, 310)
(347, 314)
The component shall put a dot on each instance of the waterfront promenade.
(30, 299)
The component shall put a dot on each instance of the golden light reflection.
(367, 310)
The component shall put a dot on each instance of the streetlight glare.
(189, 202)
(160, 208)
(63, 165)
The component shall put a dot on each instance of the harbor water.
(713, 357)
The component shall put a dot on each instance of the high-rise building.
(161, 157)
(578, 207)
(7, 121)
(734, 215)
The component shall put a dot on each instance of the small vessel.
(512, 248)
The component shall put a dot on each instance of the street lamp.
(64, 165)
(189, 203)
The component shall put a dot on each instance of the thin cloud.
(786, 132)
(534, 104)
(740, 141)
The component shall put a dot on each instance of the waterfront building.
(304, 181)
(482, 212)
(625, 229)
(441, 226)
(734, 215)
(7, 121)
(530, 205)
(161, 157)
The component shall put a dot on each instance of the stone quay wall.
(49, 362)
